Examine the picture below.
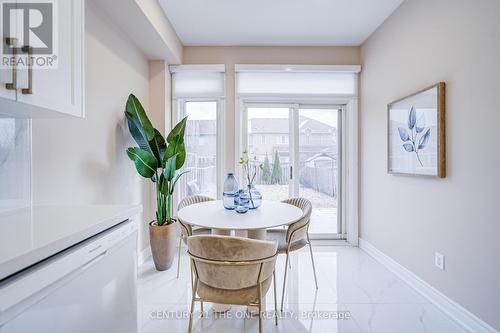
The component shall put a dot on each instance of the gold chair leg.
(275, 300)
(312, 260)
(284, 282)
(202, 309)
(190, 327)
(179, 257)
(260, 308)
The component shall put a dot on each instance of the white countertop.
(30, 235)
(212, 214)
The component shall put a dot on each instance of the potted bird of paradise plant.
(158, 160)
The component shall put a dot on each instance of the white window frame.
(179, 112)
(349, 198)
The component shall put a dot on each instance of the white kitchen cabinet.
(54, 92)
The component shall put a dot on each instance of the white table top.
(212, 214)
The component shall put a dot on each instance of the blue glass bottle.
(242, 202)
(230, 191)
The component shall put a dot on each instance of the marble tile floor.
(356, 294)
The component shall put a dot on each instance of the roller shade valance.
(197, 81)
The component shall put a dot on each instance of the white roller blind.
(197, 82)
(296, 82)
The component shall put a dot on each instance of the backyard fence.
(283, 179)
(319, 179)
(323, 180)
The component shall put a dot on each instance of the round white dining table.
(252, 224)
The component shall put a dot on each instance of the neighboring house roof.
(201, 127)
(268, 125)
(321, 157)
(262, 126)
(281, 126)
(314, 126)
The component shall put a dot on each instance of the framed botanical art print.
(416, 133)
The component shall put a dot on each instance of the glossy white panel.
(15, 163)
(98, 296)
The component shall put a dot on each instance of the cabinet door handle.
(12, 42)
(28, 91)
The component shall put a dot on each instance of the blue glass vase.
(254, 196)
(241, 202)
(230, 191)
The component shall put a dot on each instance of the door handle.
(12, 42)
(291, 172)
(28, 91)
(94, 260)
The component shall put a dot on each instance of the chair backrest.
(232, 263)
(186, 229)
(298, 230)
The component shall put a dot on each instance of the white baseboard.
(458, 313)
(144, 255)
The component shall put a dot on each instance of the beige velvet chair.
(186, 229)
(232, 270)
(295, 237)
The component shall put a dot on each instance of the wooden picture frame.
(416, 133)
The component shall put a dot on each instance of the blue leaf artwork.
(403, 134)
(420, 126)
(412, 118)
(413, 135)
(408, 147)
(424, 139)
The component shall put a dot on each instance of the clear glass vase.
(230, 191)
(254, 197)
(241, 202)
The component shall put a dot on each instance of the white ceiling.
(276, 22)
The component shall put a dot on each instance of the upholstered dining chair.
(232, 270)
(186, 229)
(295, 237)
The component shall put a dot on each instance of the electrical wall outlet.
(439, 260)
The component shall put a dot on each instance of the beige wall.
(83, 161)
(410, 218)
(232, 55)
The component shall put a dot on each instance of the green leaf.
(169, 171)
(178, 130)
(158, 146)
(144, 161)
(163, 185)
(135, 109)
(176, 147)
(137, 132)
(176, 180)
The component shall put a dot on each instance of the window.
(198, 93)
(308, 115)
(201, 148)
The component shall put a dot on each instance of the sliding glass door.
(300, 148)
(269, 142)
(318, 172)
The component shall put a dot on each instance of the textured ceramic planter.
(162, 239)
